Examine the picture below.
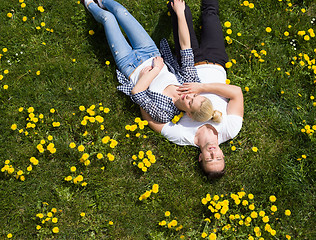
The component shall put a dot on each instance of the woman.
(142, 72)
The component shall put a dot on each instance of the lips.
(183, 96)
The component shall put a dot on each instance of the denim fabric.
(127, 57)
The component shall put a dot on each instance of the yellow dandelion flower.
(274, 208)
(265, 219)
(155, 188)
(55, 230)
(9, 15)
(81, 148)
(228, 64)
(268, 29)
(91, 32)
(255, 149)
(41, 9)
(227, 24)
(110, 157)
(272, 198)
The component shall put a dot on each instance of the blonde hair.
(206, 112)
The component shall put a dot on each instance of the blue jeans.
(127, 57)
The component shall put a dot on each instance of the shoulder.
(233, 124)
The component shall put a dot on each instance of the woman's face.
(190, 102)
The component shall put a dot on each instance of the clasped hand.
(188, 88)
(178, 6)
(157, 63)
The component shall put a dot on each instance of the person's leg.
(194, 42)
(212, 39)
(120, 48)
(136, 34)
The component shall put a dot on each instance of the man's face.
(212, 158)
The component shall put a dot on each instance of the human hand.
(158, 62)
(144, 71)
(178, 6)
(188, 88)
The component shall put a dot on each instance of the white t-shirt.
(183, 132)
(160, 82)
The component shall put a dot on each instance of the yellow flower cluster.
(50, 146)
(259, 55)
(40, 8)
(20, 174)
(145, 162)
(309, 130)
(144, 196)
(76, 179)
(139, 124)
(94, 114)
(170, 224)
(47, 219)
(247, 4)
(177, 118)
(233, 147)
(306, 34)
(304, 60)
(237, 214)
(107, 139)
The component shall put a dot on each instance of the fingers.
(146, 69)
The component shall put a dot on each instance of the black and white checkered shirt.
(160, 107)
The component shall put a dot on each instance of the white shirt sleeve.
(173, 133)
(231, 126)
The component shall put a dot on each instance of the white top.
(183, 132)
(160, 82)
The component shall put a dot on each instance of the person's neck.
(206, 134)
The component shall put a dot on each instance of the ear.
(200, 157)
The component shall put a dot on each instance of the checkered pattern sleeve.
(158, 106)
(127, 86)
(188, 70)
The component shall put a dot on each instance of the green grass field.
(71, 145)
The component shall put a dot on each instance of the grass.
(73, 73)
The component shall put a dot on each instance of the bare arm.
(183, 30)
(233, 93)
(156, 126)
(147, 75)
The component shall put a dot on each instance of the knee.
(106, 16)
(119, 10)
(210, 7)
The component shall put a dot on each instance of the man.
(210, 57)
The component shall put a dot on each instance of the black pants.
(212, 47)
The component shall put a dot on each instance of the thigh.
(212, 39)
